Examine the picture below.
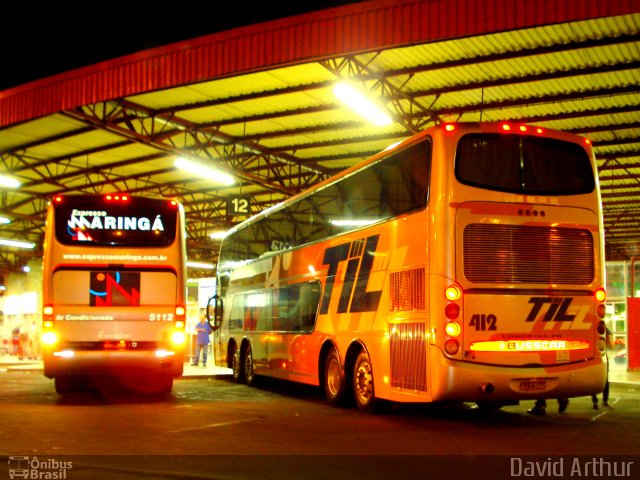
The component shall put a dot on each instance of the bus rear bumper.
(477, 383)
(164, 363)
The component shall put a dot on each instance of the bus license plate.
(533, 385)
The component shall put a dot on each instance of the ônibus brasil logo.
(34, 468)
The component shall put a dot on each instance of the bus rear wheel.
(66, 384)
(236, 365)
(363, 390)
(334, 379)
(247, 364)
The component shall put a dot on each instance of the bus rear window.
(523, 164)
(95, 221)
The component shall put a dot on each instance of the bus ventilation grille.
(527, 254)
(406, 290)
(409, 356)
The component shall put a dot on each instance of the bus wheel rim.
(333, 377)
(364, 383)
(248, 363)
(235, 364)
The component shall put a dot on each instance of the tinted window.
(93, 220)
(393, 186)
(290, 308)
(522, 164)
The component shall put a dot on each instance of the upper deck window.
(522, 164)
(393, 186)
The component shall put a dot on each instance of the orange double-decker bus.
(114, 291)
(464, 264)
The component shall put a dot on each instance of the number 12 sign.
(238, 206)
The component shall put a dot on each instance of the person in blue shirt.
(203, 330)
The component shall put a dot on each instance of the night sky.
(37, 41)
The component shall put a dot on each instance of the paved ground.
(11, 363)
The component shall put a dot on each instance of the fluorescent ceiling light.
(207, 266)
(16, 243)
(203, 171)
(360, 104)
(5, 220)
(8, 182)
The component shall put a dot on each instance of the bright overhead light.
(206, 266)
(5, 220)
(16, 243)
(8, 182)
(360, 104)
(203, 171)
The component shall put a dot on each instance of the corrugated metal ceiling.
(280, 129)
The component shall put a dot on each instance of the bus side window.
(236, 315)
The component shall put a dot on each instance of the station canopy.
(258, 102)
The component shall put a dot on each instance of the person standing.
(540, 407)
(203, 331)
(605, 392)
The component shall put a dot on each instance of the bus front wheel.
(334, 380)
(363, 390)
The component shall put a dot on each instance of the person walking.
(203, 330)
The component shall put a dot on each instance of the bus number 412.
(483, 322)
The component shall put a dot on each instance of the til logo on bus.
(354, 296)
(556, 309)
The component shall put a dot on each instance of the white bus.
(465, 264)
(114, 287)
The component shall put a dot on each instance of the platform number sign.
(238, 206)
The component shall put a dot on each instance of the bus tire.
(247, 366)
(236, 365)
(363, 389)
(334, 381)
(66, 384)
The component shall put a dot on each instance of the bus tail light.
(178, 338)
(117, 197)
(47, 314)
(451, 346)
(49, 338)
(452, 311)
(453, 293)
(600, 296)
(452, 329)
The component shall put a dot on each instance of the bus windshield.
(523, 164)
(136, 222)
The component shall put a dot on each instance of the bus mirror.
(214, 311)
